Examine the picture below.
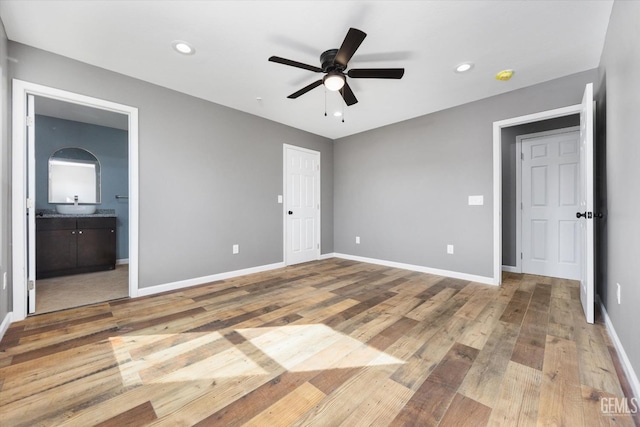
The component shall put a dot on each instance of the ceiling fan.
(334, 65)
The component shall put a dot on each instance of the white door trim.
(19, 191)
(284, 199)
(519, 140)
(497, 174)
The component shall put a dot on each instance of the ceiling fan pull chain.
(342, 103)
(325, 102)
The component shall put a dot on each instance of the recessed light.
(504, 75)
(465, 66)
(337, 114)
(183, 47)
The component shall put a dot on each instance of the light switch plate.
(476, 200)
(450, 249)
(280, 199)
(357, 240)
(236, 249)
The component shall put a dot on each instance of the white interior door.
(587, 285)
(550, 199)
(31, 204)
(302, 205)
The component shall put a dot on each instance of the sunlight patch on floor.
(147, 359)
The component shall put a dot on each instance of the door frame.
(519, 139)
(19, 183)
(285, 171)
(497, 174)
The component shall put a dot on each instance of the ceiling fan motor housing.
(327, 59)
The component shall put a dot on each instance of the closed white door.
(302, 205)
(587, 217)
(550, 199)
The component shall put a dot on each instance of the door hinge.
(31, 285)
(317, 167)
(29, 121)
(521, 205)
(29, 203)
(521, 156)
(318, 245)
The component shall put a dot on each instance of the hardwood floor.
(327, 343)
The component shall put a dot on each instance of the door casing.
(21, 89)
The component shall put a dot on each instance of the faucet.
(75, 200)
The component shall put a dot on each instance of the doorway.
(301, 205)
(586, 111)
(25, 197)
(83, 151)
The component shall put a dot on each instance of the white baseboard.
(510, 269)
(624, 359)
(151, 290)
(327, 256)
(5, 324)
(436, 271)
(122, 261)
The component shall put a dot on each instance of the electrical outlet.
(4, 280)
(236, 249)
(618, 292)
(450, 249)
(357, 240)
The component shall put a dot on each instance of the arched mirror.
(74, 176)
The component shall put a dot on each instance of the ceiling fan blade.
(349, 46)
(295, 64)
(347, 95)
(305, 89)
(376, 73)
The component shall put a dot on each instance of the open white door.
(587, 285)
(302, 205)
(31, 204)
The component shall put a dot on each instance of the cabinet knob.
(113, 231)
(73, 232)
(79, 231)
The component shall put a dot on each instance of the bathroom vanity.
(67, 244)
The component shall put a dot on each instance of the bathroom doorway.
(58, 121)
(80, 152)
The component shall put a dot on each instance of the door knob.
(583, 214)
(290, 212)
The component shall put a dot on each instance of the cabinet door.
(96, 247)
(55, 250)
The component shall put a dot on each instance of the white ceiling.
(540, 40)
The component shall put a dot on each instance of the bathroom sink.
(76, 209)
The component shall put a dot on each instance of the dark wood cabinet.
(75, 245)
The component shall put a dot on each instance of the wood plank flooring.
(327, 343)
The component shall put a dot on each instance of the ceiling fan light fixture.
(333, 81)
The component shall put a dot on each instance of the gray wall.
(617, 160)
(109, 145)
(509, 207)
(5, 179)
(209, 175)
(404, 188)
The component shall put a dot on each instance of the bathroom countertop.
(100, 213)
